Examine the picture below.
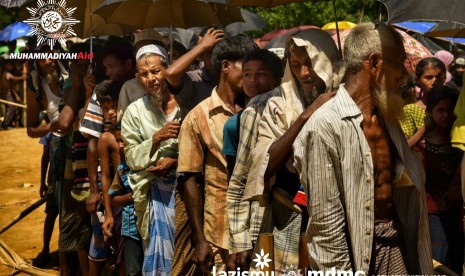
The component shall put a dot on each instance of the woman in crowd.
(442, 164)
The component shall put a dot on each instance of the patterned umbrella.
(415, 50)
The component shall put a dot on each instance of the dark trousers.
(133, 256)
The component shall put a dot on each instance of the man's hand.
(203, 257)
(107, 226)
(93, 201)
(170, 130)
(163, 166)
(322, 98)
(243, 259)
(43, 189)
(210, 39)
(89, 81)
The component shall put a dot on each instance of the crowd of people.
(182, 167)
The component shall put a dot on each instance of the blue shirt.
(231, 135)
(129, 219)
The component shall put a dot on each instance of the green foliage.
(318, 13)
(8, 16)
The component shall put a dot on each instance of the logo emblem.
(51, 21)
(262, 260)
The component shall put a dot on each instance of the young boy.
(108, 149)
(261, 72)
(121, 195)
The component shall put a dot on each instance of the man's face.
(235, 76)
(151, 73)
(47, 66)
(391, 82)
(109, 109)
(257, 78)
(81, 65)
(115, 69)
(302, 69)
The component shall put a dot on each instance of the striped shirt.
(200, 144)
(93, 122)
(245, 217)
(335, 165)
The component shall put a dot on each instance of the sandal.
(41, 260)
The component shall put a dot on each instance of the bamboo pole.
(24, 213)
(15, 104)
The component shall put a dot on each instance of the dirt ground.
(19, 187)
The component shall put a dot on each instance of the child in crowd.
(121, 195)
(261, 72)
(51, 207)
(108, 149)
(429, 73)
(442, 164)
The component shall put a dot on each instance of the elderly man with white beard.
(366, 195)
(150, 127)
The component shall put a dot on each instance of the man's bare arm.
(195, 208)
(174, 73)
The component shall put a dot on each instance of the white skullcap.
(152, 48)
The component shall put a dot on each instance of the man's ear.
(225, 66)
(374, 62)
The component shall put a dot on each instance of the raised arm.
(173, 75)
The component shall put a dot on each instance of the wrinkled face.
(443, 114)
(302, 69)
(115, 69)
(109, 109)
(432, 76)
(391, 83)
(257, 78)
(150, 72)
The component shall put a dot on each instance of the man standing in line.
(366, 195)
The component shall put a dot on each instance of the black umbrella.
(447, 29)
(438, 10)
(252, 22)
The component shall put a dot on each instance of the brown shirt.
(200, 144)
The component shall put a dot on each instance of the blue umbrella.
(14, 31)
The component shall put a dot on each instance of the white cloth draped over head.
(284, 109)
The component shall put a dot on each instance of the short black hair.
(270, 59)
(232, 48)
(120, 48)
(108, 91)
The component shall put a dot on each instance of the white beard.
(390, 104)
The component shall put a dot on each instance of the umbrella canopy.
(447, 29)
(145, 14)
(415, 50)
(14, 31)
(252, 22)
(343, 25)
(280, 40)
(265, 3)
(90, 24)
(435, 10)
